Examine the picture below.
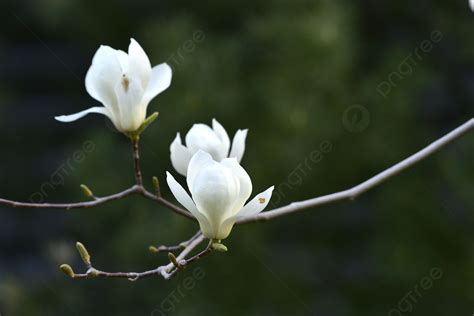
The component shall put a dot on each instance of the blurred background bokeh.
(331, 91)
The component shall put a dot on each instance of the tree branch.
(166, 271)
(97, 201)
(181, 262)
(354, 192)
(180, 246)
(139, 190)
(136, 161)
(167, 204)
(349, 194)
(136, 189)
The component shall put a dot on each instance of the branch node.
(133, 277)
(92, 272)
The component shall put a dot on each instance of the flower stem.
(136, 161)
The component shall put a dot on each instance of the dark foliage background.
(291, 72)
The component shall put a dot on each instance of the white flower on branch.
(214, 141)
(124, 84)
(219, 191)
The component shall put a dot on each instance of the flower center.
(125, 82)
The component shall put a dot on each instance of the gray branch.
(165, 271)
(352, 193)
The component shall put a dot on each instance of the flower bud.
(67, 270)
(87, 192)
(84, 253)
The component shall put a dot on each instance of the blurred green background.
(365, 83)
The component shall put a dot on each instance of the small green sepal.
(218, 246)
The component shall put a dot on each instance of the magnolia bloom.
(471, 3)
(219, 191)
(214, 141)
(124, 84)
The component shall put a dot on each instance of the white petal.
(180, 155)
(160, 81)
(103, 76)
(222, 134)
(132, 111)
(202, 137)
(471, 2)
(257, 204)
(74, 117)
(245, 188)
(215, 191)
(184, 199)
(180, 194)
(225, 228)
(123, 59)
(206, 228)
(139, 64)
(197, 162)
(238, 145)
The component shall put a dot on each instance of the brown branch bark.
(136, 161)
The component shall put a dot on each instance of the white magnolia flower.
(124, 84)
(214, 141)
(471, 3)
(219, 191)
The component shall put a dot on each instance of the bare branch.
(349, 194)
(198, 256)
(166, 271)
(167, 204)
(97, 201)
(180, 246)
(139, 190)
(354, 192)
(136, 189)
(136, 161)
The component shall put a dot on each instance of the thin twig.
(167, 204)
(354, 192)
(349, 194)
(180, 246)
(136, 189)
(171, 269)
(140, 190)
(198, 256)
(165, 271)
(136, 161)
(97, 201)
